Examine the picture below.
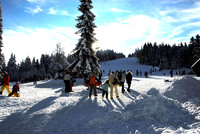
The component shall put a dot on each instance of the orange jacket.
(92, 80)
(6, 80)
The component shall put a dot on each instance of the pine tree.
(59, 60)
(11, 68)
(1, 40)
(196, 51)
(86, 61)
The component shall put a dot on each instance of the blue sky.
(34, 27)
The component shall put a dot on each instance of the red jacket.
(92, 80)
(6, 81)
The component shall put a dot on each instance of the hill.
(152, 107)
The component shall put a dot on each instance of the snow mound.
(184, 89)
(154, 108)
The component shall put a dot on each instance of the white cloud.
(58, 12)
(40, 1)
(121, 36)
(34, 42)
(120, 10)
(33, 11)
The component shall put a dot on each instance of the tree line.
(169, 57)
(106, 55)
(48, 65)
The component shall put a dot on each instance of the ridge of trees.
(106, 55)
(169, 57)
(48, 65)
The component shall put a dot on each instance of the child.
(14, 90)
(105, 87)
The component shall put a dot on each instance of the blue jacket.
(105, 86)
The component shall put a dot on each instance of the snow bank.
(154, 109)
(184, 89)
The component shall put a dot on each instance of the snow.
(152, 107)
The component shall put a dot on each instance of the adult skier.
(67, 77)
(113, 81)
(122, 80)
(93, 85)
(5, 83)
(129, 79)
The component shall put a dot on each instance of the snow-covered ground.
(152, 107)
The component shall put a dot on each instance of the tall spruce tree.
(86, 62)
(1, 40)
(12, 68)
(196, 50)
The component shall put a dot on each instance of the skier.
(5, 83)
(137, 72)
(113, 81)
(15, 90)
(122, 80)
(171, 73)
(92, 85)
(146, 74)
(35, 78)
(67, 77)
(100, 75)
(129, 79)
(105, 87)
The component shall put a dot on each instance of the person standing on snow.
(122, 80)
(92, 85)
(100, 75)
(129, 79)
(67, 77)
(5, 83)
(113, 81)
(105, 87)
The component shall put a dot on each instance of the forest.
(162, 55)
(169, 57)
(48, 65)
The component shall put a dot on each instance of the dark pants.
(129, 85)
(67, 85)
(93, 87)
(122, 84)
(105, 92)
(15, 93)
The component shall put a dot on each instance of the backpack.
(115, 81)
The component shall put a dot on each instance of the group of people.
(114, 80)
(5, 84)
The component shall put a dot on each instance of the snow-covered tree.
(45, 62)
(25, 68)
(86, 61)
(35, 67)
(2, 62)
(12, 68)
(59, 60)
(196, 50)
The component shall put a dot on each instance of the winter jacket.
(92, 80)
(67, 76)
(15, 88)
(113, 79)
(129, 77)
(6, 80)
(123, 77)
(105, 86)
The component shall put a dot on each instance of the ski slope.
(152, 107)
